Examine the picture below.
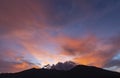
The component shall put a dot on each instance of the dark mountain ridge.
(79, 71)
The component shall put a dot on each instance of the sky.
(34, 33)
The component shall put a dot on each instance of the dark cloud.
(31, 14)
(112, 63)
(81, 46)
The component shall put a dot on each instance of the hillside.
(79, 71)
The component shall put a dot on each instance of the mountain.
(79, 71)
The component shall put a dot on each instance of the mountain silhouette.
(79, 71)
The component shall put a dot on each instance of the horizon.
(60, 66)
(34, 33)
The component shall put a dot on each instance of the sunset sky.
(34, 33)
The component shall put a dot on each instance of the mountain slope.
(79, 71)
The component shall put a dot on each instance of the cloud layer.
(34, 33)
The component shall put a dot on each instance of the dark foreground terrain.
(79, 71)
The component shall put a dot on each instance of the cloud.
(112, 63)
(91, 49)
(7, 66)
(29, 15)
(14, 59)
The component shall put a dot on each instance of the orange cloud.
(89, 50)
(24, 65)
